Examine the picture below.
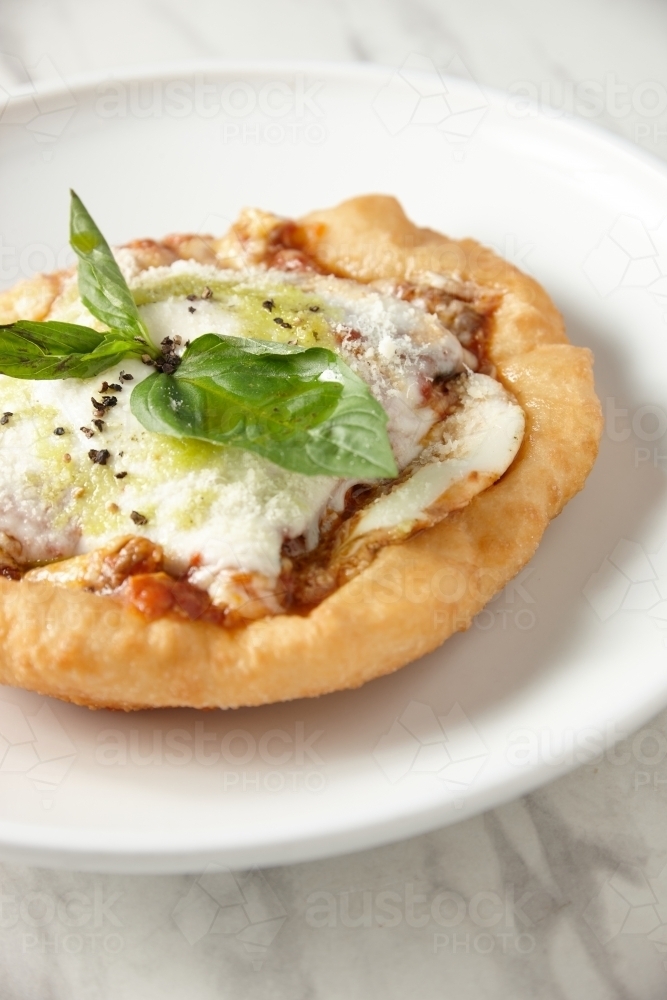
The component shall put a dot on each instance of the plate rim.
(108, 850)
(332, 69)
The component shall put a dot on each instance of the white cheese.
(222, 509)
(229, 507)
(394, 346)
(481, 438)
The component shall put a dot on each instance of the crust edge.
(92, 651)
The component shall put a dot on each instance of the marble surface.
(560, 895)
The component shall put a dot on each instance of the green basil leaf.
(31, 350)
(54, 337)
(54, 350)
(111, 352)
(302, 409)
(353, 443)
(224, 393)
(102, 287)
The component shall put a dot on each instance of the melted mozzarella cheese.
(215, 509)
(229, 507)
(479, 442)
(394, 346)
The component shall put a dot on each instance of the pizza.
(273, 464)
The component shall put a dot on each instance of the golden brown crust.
(93, 651)
(32, 298)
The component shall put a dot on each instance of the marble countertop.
(562, 894)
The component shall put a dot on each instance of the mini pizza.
(274, 464)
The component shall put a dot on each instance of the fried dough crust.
(94, 651)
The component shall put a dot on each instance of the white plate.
(570, 657)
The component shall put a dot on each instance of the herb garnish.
(302, 408)
(102, 286)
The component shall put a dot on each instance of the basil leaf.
(102, 287)
(353, 443)
(53, 337)
(52, 350)
(271, 399)
(110, 353)
(227, 392)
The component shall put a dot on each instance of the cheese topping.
(478, 443)
(69, 484)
